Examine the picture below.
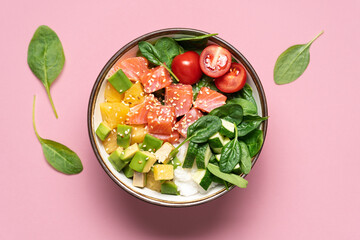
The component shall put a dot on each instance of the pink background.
(305, 184)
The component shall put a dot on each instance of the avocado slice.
(163, 153)
(123, 135)
(128, 172)
(103, 131)
(120, 81)
(115, 159)
(151, 143)
(175, 162)
(169, 187)
(129, 152)
(142, 161)
(139, 179)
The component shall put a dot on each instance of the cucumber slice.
(216, 142)
(237, 169)
(190, 155)
(227, 128)
(203, 178)
(203, 155)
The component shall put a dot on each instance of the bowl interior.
(94, 115)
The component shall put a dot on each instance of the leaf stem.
(236, 131)
(317, 36)
(33, 119)
(51, 101)
(167, 68)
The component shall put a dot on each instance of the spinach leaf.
(254, 141)
(229, 177)
(230, 154)
(150, 52)
(203, 128)
(292, 63)
(245, 160)
(194, 38)
(153, 55)
(249, 108)
(58, 156)
(246, 93)
(46, 58)
(194, 42)
(205, 81)
(167, 49)
(250, 123)
(230, 112)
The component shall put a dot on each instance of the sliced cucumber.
(227, 128)
(190, 155)
(203, 178)
(203, 155)
(237, 169)
(216, 142)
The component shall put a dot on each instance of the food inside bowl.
(179, 117)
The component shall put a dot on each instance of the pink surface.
(305, 184)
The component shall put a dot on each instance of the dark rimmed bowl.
(94, 118)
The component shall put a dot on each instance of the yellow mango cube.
(163, 172)
(134, 95)
(138, 133)
(114, 113)
(110, 143)
(112, 95)
(151, 183)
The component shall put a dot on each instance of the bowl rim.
(102, 75)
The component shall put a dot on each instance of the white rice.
(183, 176)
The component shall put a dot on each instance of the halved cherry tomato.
(215, 61)
(187, 68)
(232, 81)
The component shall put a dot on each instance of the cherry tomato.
(215, 61)
(232, 81)
(187, 68)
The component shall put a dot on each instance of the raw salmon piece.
(138, 114)
(189, 118)
(161, 119)
(157, 78)
(208, 100)
(172, 138)
(180, 97)
(135, 68)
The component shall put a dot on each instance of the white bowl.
(94, 119)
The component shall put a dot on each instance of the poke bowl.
(174, 137)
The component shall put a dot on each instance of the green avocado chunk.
(169, 187)
(151, 143)
(120, 81)
(128, 172)
(115, 159)
(142, 161)
(129, 152)
(123, 135)
(103, 131)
